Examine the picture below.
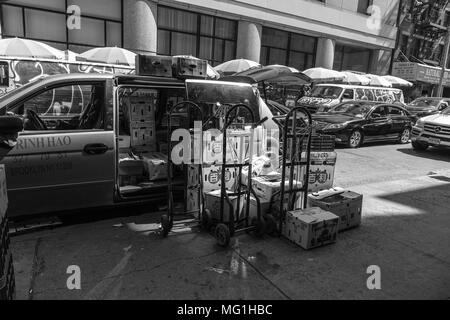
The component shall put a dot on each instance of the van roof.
(351, 86)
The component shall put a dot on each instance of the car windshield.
(424, 103)
(326, 92)
(351, 108)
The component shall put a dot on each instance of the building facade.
(355, 35)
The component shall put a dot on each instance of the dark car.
(422, 107)
(356, 122)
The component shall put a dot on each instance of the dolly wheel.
(165, 225)
(207, 220)
(271, 224)
(223, 235)
(260, 226)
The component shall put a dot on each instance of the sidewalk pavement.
(405, 231)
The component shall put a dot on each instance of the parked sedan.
(422, 107)
(356, 122)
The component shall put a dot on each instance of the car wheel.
(355, 139)
(405, 136)
(419, 146)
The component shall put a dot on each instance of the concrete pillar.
(140, 26)
(325, 53)
(249, 40)
(380, 61)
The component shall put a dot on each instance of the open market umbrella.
(18, 47)
(234, 66)
(398, 82)
(111, 55)
(211, 73)
(378, 81)
(354, 78)
(324, 75)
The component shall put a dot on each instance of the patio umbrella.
(378, 81)
(353, 78)
(211, 73)
(398, 82)
(18, 47)
(324, 75)
(233, 66)
(277, 74)
(112, 55)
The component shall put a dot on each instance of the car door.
(399, 120)
(378, 124)
(64, 158)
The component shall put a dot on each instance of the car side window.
(70, 107)
(379, 112)
(348, 94)
(393, 111)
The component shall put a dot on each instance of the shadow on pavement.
(431, 153)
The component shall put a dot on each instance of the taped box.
(212, 203)
(266, 187)
(347, 205)
(155, 165)
(143, 134)
(212, 178)
(311, 227)
(3, 192)
(321, 170)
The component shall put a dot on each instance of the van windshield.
(326, 92)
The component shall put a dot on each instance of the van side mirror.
(10, 126)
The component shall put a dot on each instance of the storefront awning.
(412, 71)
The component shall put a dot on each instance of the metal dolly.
(296, 133)
(167, 220)
(226, 227)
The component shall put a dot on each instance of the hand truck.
(227, 226)
(184, 109)
(295, 161)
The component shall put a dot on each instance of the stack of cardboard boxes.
(7, 283)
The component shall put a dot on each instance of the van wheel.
(405, 136)
(355, 139)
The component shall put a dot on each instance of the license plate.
(434, 141)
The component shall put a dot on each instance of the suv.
(425, 106)
(79, 143)
(432, 130)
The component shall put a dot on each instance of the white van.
(325, 96)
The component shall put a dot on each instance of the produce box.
(155, 165)
(187, 67)
(129, 165)
(153, 65)
(265, 207)
(347, 205)
(211, 178)
(321, 170)
(311, 227)
(266, 186)
(3, 192)
(212, 203)
(143, 134)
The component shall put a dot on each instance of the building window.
(363, 6)
(351, 58)
(287, 48)
(207, 37)
(101, 23)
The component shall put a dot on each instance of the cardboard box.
(155, 165)
(321, 170)
(148, 65)
(212, 203)
(130, 166)
(266, 187)
(211, 176)
(143, 134)
(265, 206)
(311, 227)
(3, 192)
(347, 205)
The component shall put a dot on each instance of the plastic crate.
(7, 281)
(322, 143)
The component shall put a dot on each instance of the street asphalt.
(405, 231)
